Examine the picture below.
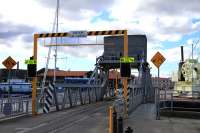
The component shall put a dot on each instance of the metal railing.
(13, 106)
(74, 95)
(181, 101)
(169, 95)
(135, 98)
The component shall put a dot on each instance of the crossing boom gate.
(67, 34)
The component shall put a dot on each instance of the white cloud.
(160, 20)
(16, 51)
(190, 41)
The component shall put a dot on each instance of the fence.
(79, 96)
(74, 95)
(13, 106)
(135, 97)
(171, 100)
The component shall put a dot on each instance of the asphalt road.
(93, 119)
(85, 119)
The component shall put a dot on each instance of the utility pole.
(56, 48)
(192, 68)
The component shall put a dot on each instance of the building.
(61, 74)
(14, 74)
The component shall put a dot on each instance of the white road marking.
(24, 130)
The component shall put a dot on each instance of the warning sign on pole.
(9, 63)
(158, 59)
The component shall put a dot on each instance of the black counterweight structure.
(137, 46)
(180, 75)
(182, 54)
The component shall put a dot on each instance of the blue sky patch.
(104, 15)
(182, 41)
(195, 20)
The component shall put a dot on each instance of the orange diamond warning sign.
(9, 63)
(158, 59)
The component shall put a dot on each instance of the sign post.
(125, 79)
(157, 60)
(125, 72)
(9, 63)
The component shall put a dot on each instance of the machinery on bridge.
(188, 81)
(191, 70)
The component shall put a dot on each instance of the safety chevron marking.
(89, 33)
(49, 98)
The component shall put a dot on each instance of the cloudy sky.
(168, 24)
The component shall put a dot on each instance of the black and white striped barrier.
(128, 96)
(48, 98)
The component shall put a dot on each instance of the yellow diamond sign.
(9, 63)
(158, 59)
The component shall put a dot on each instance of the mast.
(56, 48)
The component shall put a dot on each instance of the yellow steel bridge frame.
(66, 34)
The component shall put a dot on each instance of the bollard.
(110, 120)
(129, 130)
(114, 122)
(120, 125)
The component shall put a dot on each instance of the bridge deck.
(143, 121)
(90, 118)
(93, 119)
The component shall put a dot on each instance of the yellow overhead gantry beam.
(67, 34)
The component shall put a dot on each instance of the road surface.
(93, 119)
(85, 119)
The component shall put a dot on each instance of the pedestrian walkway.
(143, 121)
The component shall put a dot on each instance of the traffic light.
(125, 69)
(31, 67)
